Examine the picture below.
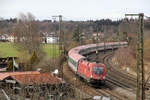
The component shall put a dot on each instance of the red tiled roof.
(41, 78)
(132, 35)
(4, 75)
(11, 34)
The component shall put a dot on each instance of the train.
(90, 71)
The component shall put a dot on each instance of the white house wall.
(51, 40)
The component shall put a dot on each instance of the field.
(8, 50)
(51, 50)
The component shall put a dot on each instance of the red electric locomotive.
(91, 71)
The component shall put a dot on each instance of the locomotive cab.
(98, 70)
(98, 73)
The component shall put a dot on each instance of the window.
(72, 61)
(98, 70)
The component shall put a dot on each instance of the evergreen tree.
(10, 65)
(34, 59)
(77, 36)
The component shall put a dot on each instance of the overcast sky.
(74, 9)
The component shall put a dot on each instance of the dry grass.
(127, 56)
(147, 50)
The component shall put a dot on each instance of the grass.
(51, 50)
(8, 50)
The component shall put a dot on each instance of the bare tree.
(27, 35)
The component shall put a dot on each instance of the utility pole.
(61, 47)
(60, 39)
(140, 58)
(97, 43)
(60, 33)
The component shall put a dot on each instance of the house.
(29, 78)
(52, 39)
(31, 82)
(11, 37)
(34, 79)
(4, 37)
(4, 75)
(97, 35)
(49, 37)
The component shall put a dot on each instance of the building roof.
(4, 35)
(11, 34)
(131, 34)
(40, 78)
(4, 75)
(46, 34)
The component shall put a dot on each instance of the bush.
(10, 65)
(34, 60)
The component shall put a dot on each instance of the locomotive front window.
(98, 70)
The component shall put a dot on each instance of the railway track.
(107, 90)
(103, 91)
(116, 78)
(112, 95)
(70, 77)
(111, 69)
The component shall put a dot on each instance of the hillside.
(126, 57)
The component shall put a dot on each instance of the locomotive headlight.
(91, 76)
(104, 77)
